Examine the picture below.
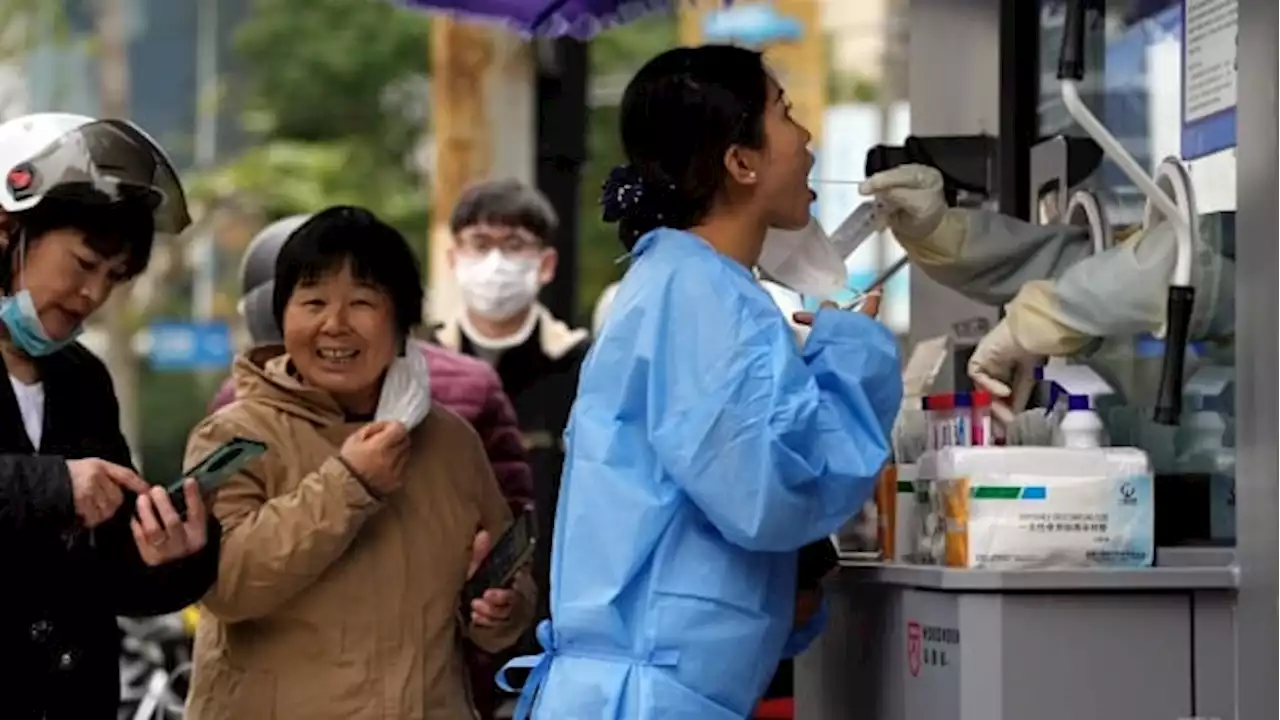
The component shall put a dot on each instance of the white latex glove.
(1004, 368)
(909, 199)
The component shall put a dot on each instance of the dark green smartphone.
(215, 469)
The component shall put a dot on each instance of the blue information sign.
(755, 25)
(194, 345)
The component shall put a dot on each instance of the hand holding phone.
(163, 537)
(485, 597)
(495, 606)
(215, 469)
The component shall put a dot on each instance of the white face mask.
(803, 260)
(809, 261)
(497, 286)
(406, 390)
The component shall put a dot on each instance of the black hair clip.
(623, 191)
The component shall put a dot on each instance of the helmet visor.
(105, 161)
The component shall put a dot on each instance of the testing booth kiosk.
(1195, 636)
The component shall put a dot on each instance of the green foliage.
(319, 70)
(325, 83)
(624, 49)
(287, 177)
(620, 51)
(598, 246)
(847, 87)
(170, 404)
(851, 88)
(25, 22)
(335, 92)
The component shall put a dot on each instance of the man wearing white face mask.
(502, 257)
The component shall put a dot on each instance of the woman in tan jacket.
(345, 547)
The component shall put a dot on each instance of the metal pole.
(113, 96)
(561, 149)
(203, 256)
(207, 95)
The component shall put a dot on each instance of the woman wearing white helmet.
(82, 537)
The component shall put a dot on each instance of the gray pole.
(206, 149)
(113, 96)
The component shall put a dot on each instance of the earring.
(751, 175)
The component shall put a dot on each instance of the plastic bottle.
(1080, 426)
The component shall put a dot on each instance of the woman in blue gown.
(705, 447)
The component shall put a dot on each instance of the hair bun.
(638, 205)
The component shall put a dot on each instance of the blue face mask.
(18, 313)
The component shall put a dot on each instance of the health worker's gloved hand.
(909, 200)
(1043, 320)
(1001, 365)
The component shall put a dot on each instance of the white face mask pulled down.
(809, 261)
(497, 286)
(406, 390)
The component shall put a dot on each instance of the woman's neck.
(358, 405)
(734, 235)
(17, 363)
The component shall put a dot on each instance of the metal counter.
(929, 643)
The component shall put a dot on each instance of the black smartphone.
(511, 552)
(215, 469)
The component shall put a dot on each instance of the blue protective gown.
(703, 451)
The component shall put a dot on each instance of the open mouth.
(71, 317)
(813, 195)
(337, 356)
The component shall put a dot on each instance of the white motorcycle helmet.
(80, 158)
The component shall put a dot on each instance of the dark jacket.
(64, 586)
(472, 390)
(541, 378)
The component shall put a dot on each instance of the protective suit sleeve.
(1120, 292)
(988, 257)
(777, 448)
(803, 636)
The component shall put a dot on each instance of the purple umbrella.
(580, 19)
